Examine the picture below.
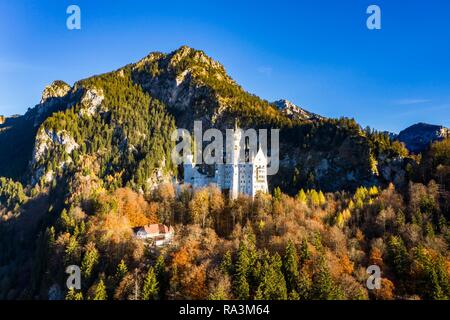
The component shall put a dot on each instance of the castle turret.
(189, 168)
(234, 165)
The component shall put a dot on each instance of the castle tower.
(240, 174)
(259, 173)
(189, 168)
(234, 165)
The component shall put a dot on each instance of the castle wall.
(237, 177)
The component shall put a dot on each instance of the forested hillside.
(92, 161)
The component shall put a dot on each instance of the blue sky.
(318, 54)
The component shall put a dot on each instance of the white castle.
(238, 175)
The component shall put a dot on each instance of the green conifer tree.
(304, 252)
(272, 285)
(90, 259)
(227, 264)
(150, 289)
(323, 285)
(242, 268)
(304, 285)
(277, 194)
(398, 255)
(100, 291)
(290, 266)
(121, 270)
(161, 276)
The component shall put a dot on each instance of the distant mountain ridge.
(419, 136)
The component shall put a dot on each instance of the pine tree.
(227, 264)
(277, 194)
(293, 295)
(304, 254)
(66, 221)
(150, 290)
(317, 241)
(161, 276)
(432, 277)
(442, 274)
(241, 286)
(72, 252)
(272, 285)
(398, 255)
(90, 260)
(72, 294)
(121, 271)
(290, 266)
(258, 294)
(323, 285)
(221, 290)
(429, 230)
(100, 291)
(304, 285)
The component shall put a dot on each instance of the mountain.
(122, 122)
(295, 112)
(91, 161)
(418, 137)
(194, 86)
(391, 135)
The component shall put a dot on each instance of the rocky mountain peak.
(56, 89)
(149, 59)
(179, 61)
(294, 111)
(179, 57)
(188, 81)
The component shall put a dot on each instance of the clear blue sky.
(318, 54)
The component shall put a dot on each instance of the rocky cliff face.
(295, 112)
(92, 103)
(180, 80)
(48, 143)
(419, 136)
(55, 97)
(56, 89)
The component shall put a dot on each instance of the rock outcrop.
(91, 102)
(182, 80)
(48, 144)
(54, 98)
(56, 89)
(293, 111)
